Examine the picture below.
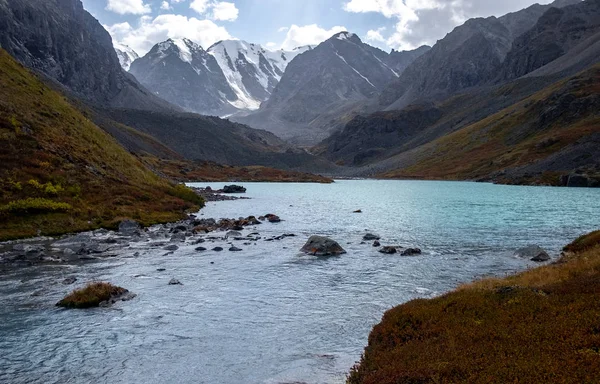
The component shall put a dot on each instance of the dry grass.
(542, 325)
(53, 157)
(91, 296)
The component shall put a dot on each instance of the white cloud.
(165, 6)
(199, 6)
(122, 7)
(308, 35)
(425, 21)
(283, 29)
(151, 31)
(375, 35)
(215, 10)
(225, 11)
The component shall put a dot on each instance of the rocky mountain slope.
(339, 72)
(553, 133)
(181, 72)
(556, 32)
(471, 55)
(126, 55)
(230, 76)
(390, 142)
(61, 173)
(63, 41)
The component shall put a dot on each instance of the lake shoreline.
(468, 335)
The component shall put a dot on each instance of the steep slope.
(251, 71)
(126, 55)
(556, 32)
(471, 55)
(208, 138)
(338, 71)
(230, 76)
(400, 60)
(552, 133)
(62, 40)
(61, 173)
(181, 72)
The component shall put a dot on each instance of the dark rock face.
(400, 60)
(62, 40)
(339, 71)
(471, 55)
(322, 246)
(184, 74)
(555, 33)
(533, 253)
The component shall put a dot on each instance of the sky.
(286, 24)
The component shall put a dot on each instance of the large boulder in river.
(95, 295)
(322, 246)
(533, 253)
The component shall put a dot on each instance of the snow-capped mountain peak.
(251, 70)
(126, 55)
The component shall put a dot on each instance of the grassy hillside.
(186, 171)
(59, 172)
(535, 140)
(541, 326)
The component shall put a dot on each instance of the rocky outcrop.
(471, 55)
(322, 246)
(555, 33)
(342, 70)
(62, 40)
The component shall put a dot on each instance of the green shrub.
(34, 205)
(48, 188)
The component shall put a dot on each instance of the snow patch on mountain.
(126, 55)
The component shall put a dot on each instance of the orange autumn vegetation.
(187, 171)
(540, 326)
(61, 173)
(91, 295)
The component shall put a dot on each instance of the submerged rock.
(69, 280)
(217, 249)
(533, 253)
(233, 234)
(175, 282)
(171, 247)
(322, 246)
(376, 243)
(371, 236)
(234, 249)
(200, 249)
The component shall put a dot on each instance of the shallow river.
(269, 314)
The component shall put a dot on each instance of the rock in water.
(388, 250)
(128, 227)
(175, 282)
(533, 253)
(371, 236)
(322, 246)
(235, 249)
(411, 252)
(232, 234)
(234, 189)
(376, 243)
